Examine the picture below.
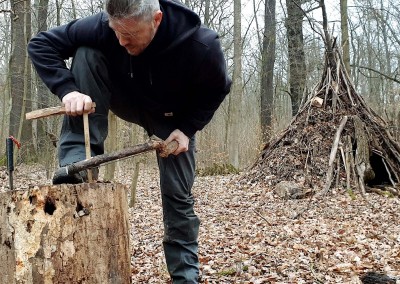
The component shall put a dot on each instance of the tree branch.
(378, 72)
(312, 26)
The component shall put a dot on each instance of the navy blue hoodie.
(183, 70)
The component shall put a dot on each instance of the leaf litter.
(249, 235)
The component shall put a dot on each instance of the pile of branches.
(335, 140)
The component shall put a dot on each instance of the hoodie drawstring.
(130, 67)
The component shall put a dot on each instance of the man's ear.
(157, 18)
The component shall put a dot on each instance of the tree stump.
(65, 234)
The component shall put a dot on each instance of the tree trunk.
(5, 89)
(29, 152)
(386, 65)
(111, 146)
(207, 14)
(58, 12)
(43, 94)
(235, 99)
(5, 109)
(65, 234)
(134, 181)
(73, 9)
(17, 64)
(267, 69)
(345, 34)
(42, 13)
(297, 64)
(19, 74)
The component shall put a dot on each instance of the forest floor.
(248, 235)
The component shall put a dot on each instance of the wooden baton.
(45, 112)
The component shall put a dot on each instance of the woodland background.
(274, 51)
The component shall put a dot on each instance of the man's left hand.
(181, 138)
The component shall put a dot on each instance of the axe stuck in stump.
(154, 143)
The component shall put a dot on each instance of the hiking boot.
(81, 177)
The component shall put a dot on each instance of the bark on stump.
(65, 234)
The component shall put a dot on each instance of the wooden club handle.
(45, 112)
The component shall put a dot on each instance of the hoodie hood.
(178, 23)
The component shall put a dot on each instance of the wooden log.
(65, 234)
(317, 102)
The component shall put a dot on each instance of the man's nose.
(123, 41)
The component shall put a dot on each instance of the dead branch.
(388, 172)
(333, 155)
(378, 72)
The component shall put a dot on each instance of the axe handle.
(87, 143)
(95, 161)
(45, 112)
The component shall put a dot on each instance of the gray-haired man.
(152, 63)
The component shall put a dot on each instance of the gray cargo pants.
(177, 173)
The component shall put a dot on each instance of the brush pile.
(335, 140)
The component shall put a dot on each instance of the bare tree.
(45, 140)
(19, 73)
(73, 9)
(5, 44)
(235, 98)
(58, 11)
(297, 65)
(207, 13)
(42, 14)
(267, 68)
(345, 34)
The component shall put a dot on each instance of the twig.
(346, 78)
(388, 172)
(383, 191)
(306, 160)
(262, 217)
(337, 175)
(346, 165)
(360, 173)
(392, 190)
(328, 70)
(316, 278)
(306, 13)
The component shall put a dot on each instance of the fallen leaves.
(248, 235)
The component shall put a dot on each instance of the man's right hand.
(77, 103)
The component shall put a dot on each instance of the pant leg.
(89, 68)
(181, 225)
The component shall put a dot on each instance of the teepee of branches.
(335, 140)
